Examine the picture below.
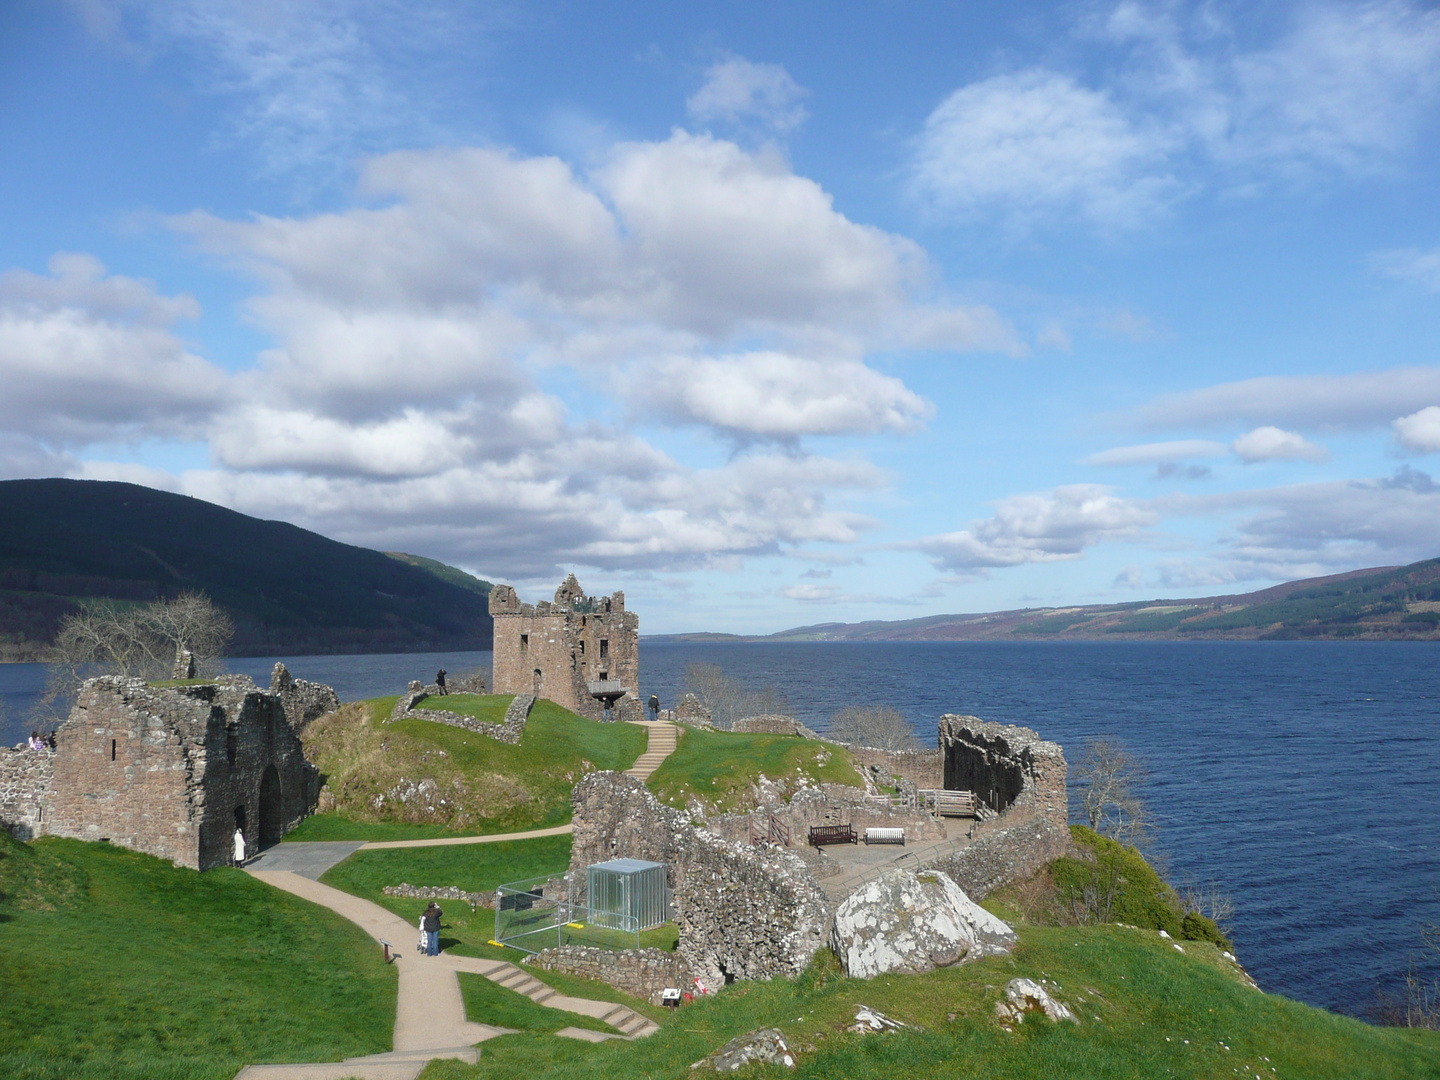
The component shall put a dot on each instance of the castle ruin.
(581, 652)
(172, 771)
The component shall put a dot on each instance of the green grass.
(472, 867)
(720, 767)
(1139, 1000)
(486, 1003)
(142, 970)
(480, 785)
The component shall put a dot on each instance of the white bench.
(876, 835)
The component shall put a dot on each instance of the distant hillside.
(1388, 603)
(288, 589)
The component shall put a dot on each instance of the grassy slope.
(488, 786)
(139, 969)
(720, 767)
(1139, 1001)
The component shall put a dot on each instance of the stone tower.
(582, 652)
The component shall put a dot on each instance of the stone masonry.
(642, 973)
(27, 778)
(743, 913)
(1007, 767)
(172, 771)
(565, 649)
(302, 701)
(511, 730)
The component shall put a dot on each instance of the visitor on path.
(431, 922)
(654, 706)
(239, 847)
(36, 743)
(440, 681)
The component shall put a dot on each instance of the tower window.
(604, 648)
(112, 749)
(524, 642)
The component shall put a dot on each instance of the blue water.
(1302, 777)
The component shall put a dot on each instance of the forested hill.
(288, 589)
(1388, 603)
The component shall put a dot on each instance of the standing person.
(432, 929)
(654, 706)
(239, 847)
(440, 681)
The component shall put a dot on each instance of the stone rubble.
(868, 1020)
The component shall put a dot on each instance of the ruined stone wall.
(772, 725)
(163, 770)
(743, 913)
(27, 779)
(303, 701)
(1005, 856)
(641, 973)
(923, 768)
(1010, 769)
(511, 731)
(554, 649)
(832, 804)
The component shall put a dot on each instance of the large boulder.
(912, 924)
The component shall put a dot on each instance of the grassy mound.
(143, 970)
(721, 767)
(1115, 884)
(416, 778)
(1146, 1011)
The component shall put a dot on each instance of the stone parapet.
(641, 973)
(1005, 856)
(511, 731)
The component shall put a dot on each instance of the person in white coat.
(239, 848)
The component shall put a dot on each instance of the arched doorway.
(538, 678)
(272, 812)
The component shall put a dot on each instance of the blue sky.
(767, 314)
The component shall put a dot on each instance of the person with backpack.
(440, 681)
(431, 922)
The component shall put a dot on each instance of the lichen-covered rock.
(911, 924)
(1026, 997)
(766, 1045)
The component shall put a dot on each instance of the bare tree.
(1422, 999)
(878, 726)
(1208, 900)
(109, 637)
(729, 699)
(1109, 775)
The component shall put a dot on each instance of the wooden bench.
(876, 834)
(832, 834)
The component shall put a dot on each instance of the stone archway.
(272, 809)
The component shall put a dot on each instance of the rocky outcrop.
(641, 973)
(1025, 997)
(302, 701)
(766, 1046)
(912, 924)
(743, 913)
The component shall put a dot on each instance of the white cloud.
(1420, 431)
(1158, 453)
(1341, 91)
(1410, 264)
(812, 594)
(1273, 444)
(737, 89)
(1040, 528)
(1364, 399)
(1037, 142)
(88, 357)
(774, 395)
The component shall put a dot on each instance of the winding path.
(430, 1011)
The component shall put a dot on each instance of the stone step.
(545, 995)
(631, 1024)
(614, 1014)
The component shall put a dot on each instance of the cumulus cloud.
(1273, 444)
(1340, 92)
(1420, 431)
(1037, 142)
(774, 395)
(1043, 527)
(736, 90)
(87, 356)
